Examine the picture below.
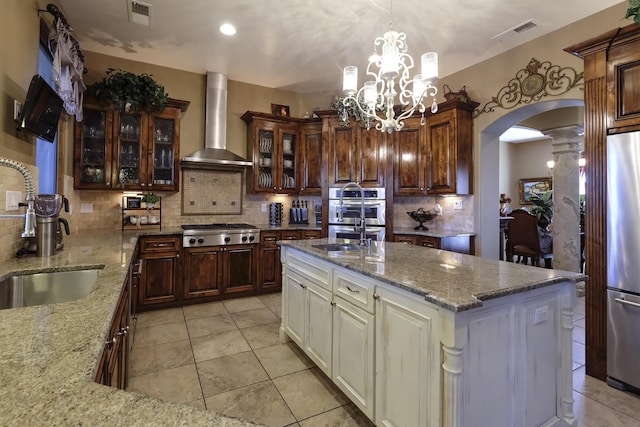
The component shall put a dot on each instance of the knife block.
(299, 214)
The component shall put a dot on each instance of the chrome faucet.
(362, 226)
(30, 215)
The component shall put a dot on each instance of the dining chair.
(523, 240)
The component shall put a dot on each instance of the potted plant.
(542, 207)
(150, 200)
(130, 92)
(633, 10)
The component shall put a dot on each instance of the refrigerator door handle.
(624, 301)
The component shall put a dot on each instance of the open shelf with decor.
(136, 213)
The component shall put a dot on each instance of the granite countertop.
(432, 232)
(49, 353)
(284, 226)
(451, 280)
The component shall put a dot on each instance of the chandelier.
(389, 68)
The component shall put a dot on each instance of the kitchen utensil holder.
(275, 213)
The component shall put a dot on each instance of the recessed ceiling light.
(227, 29)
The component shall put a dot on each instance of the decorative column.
(452, 386)
(567, 142)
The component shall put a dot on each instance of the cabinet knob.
(108, 184)
(376, 296)
(177, 254)
(142, 184)
(333, 303)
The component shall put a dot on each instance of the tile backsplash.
(102, 210)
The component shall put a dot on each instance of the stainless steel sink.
(338, 247)
(46, 288)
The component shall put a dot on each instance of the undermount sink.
(46, 288)
(338, 247)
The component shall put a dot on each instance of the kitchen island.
(49, 354)
(426, 337)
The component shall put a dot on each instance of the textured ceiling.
(302, 45)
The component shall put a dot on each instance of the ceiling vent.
(518, 29)
(139, 13)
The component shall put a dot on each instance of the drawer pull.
(355, 291)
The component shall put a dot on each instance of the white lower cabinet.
(318, 327)
(353, 354)
(406, 358)
(307, 318)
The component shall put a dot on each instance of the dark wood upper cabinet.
(130, 151)
(356, 154)
(437, 157)
(284, 152)
(311, 158)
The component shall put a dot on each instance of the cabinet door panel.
(311, 160)
(353, 354)
(164, 150)
(270, 268)
(240, 274)
(159, 279)
(405, 394)
(93, 149)
(372, 157)
(409, 161)
(318, 329)
(131, 157)
(202, 272)
(295, 308)
(441, 145)
(342, 167)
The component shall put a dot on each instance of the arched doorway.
(487, 227)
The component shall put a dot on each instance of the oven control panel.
(221, 239)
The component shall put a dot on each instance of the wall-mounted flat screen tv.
(41, 110)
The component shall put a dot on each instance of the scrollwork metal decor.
(532, 83)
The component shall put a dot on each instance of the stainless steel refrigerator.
(623, 263)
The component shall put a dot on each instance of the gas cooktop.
(218, 226)
(219, 234)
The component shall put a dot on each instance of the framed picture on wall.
(537, 186)
(280, 110)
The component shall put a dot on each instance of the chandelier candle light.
(389, 63)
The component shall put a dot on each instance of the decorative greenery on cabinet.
(129, 91)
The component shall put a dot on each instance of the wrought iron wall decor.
(535, 81)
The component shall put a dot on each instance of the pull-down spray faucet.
(30, 215)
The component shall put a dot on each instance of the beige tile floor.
(227, 357)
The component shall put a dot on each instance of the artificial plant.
(129, 91)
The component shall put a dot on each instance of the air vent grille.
(139, 13)
(525, 27)
(518, 29)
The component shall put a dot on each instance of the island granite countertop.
(451, 280)
(49, 353)
(432, 232)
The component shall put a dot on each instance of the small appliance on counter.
(299, 212)
(48, 224)
(275, 213)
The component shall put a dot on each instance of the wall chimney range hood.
(215, 153)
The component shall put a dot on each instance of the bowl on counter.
(421, 216)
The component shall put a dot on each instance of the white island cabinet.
(423, 337)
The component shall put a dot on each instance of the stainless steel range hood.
(215, 153)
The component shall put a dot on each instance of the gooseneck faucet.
(30, 215)
(362, 226)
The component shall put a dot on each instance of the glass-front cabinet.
(273, 141)
(128, 150)
(92, 155)
(165, 150)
